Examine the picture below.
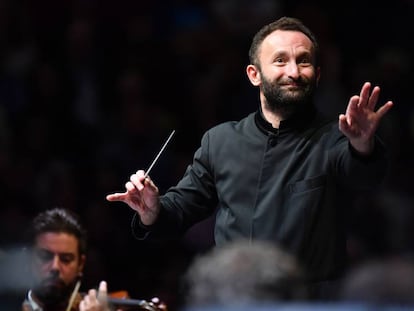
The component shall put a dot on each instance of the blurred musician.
(58, 255)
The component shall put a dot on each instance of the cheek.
(40, 272)
(69, 273)
(309, 73)
(273, 73)
(41, 268)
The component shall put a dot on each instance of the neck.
(276, 116)
(49, 306)
(271, 117)
(52, 307)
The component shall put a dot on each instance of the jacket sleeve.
(362, 172)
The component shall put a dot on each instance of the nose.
(55, 263)
(292, 70)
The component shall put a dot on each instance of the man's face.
(287, 72)
(56, 266)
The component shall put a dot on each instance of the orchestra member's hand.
(96, 300)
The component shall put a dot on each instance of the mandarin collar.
(296, 122)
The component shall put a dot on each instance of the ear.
(253, 74)
(82, 261)
(318, 75)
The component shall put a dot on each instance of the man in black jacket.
(280, 173)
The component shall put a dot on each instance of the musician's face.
(56, 266)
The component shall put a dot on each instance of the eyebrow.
(45, 250)
(300, 52)
(298, 56)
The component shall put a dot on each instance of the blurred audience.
(387, 281)
(243, 273)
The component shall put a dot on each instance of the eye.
(66, 258)
(279, 61)
(43, 255)
(305, 60)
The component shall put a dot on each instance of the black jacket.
(287, 185)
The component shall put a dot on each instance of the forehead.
(286, 41)
(57, 242)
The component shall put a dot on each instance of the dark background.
(90, 90)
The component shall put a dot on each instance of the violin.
(121, 300)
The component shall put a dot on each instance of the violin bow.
(72, 297)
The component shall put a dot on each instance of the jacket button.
(272, 142)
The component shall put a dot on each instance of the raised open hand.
(360, 121)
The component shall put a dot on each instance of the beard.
(287, 97)
(53, 291)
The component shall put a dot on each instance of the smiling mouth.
(292, 87)
(292, 84)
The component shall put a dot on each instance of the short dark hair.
(60, 220)
(283, 23)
